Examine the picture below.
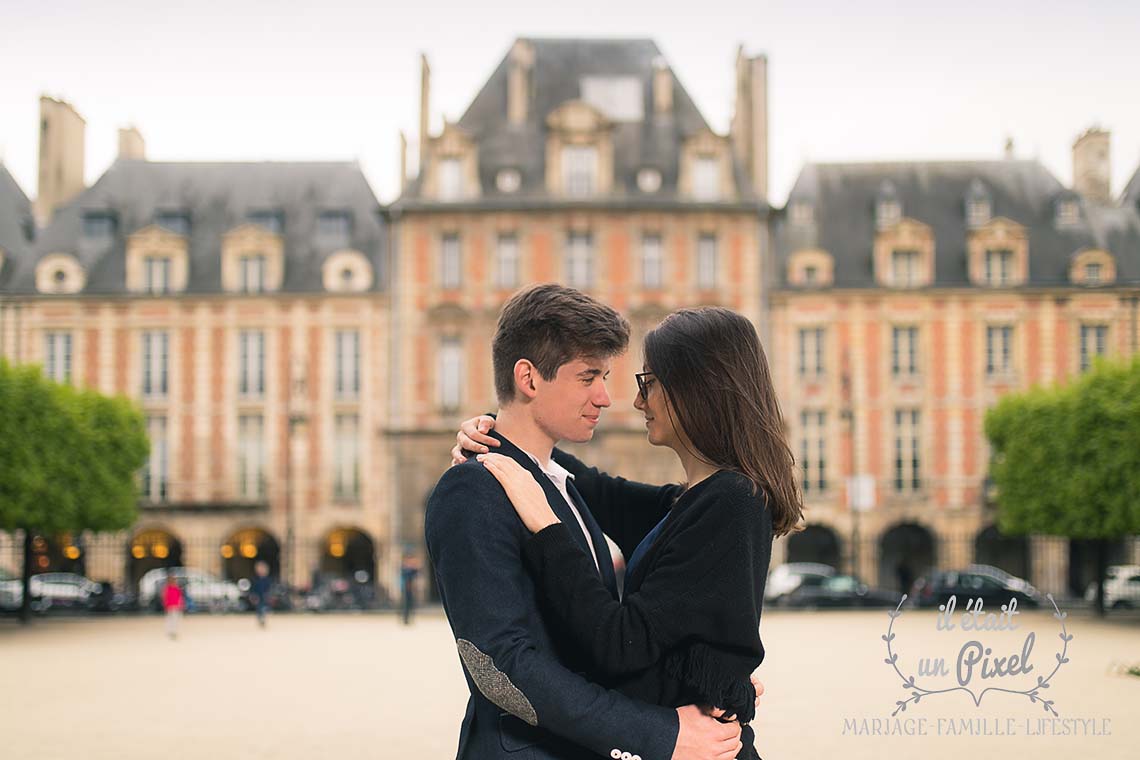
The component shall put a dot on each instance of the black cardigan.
(687, 628)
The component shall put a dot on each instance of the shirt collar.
(553, 470)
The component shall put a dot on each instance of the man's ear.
(525, 376)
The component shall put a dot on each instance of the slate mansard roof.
(15, 226)
(559, 67)
(217, 198)
(843, 198)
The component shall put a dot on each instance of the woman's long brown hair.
(711, 364)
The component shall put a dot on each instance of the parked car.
(839, 591)
(204, 592)
(1010, 580)
(69, 591)
(1121, 588)
(972, 584)
(280, 596)
(786, 578)
(11, 591)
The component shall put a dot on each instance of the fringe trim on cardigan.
(701, 668)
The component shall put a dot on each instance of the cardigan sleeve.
(705, 585)
(625, 509)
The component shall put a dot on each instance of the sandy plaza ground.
(364, 686)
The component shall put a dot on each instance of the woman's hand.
(522, 489)
(472, 438)
(720, 713)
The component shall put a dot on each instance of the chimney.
(61, 157)
(403, 161)
(1008, 149)
(518, 81)
(1092, 175)
(749, 130)
(425, 110)
(662, 88)
(132, 147)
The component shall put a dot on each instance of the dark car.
(840, 591)
(993, 590)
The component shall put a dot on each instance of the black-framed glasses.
(643, 384)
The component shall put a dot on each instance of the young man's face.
(569, 407)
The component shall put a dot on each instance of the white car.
(1121, 588)
(203, 591)
(11, 590)
(788, 577)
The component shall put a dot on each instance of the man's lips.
(592, 419)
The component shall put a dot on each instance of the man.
(529, 684)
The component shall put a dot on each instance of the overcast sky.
(335, 80)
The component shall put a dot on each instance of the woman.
(687, 628)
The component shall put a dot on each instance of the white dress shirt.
(559, 475)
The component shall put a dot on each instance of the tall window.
(651, 260)
(252, 273)
(904, 350)
(888, 213)
(347, 363)
(156, 473)
(1092, 274)
(251, 363)
(507, 261)
(977, 212)
(706, 178)
(579, 170)
(579, 260)
(904, 269)
(706, 261)
(251, 456)
(1094, 342)
(57, 356)
(156, 274)
(908, 465)
(811, 351)
(813, 451)
(450, 179)
(155, 360)
(450, 373)
(999, 267)
(999, 350)
(450, 262)
(346, 458)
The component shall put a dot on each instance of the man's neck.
(514, 423)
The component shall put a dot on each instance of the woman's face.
(659, 415)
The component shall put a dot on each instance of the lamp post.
(295, 406)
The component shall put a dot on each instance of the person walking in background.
(173, 601)
(259, 591)
(409, 571)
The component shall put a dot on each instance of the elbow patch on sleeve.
(494, 683)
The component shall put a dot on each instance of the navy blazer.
(527, 702)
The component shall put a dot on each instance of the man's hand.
(702, 737)
(472, 438)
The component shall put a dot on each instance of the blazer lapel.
(553, 495)
(601, 546)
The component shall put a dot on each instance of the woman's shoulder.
(732, 495)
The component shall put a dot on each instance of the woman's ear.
(525, 374)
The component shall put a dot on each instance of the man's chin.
(582, 436)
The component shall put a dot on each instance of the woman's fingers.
(473, 434)
(759, 687)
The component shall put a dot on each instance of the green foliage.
(1067, 459)
(68, 457)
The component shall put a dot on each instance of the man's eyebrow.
(590, 373)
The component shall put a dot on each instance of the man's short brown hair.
(550, 325)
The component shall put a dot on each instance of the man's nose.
(602, 397)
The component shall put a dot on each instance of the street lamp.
(295, 404)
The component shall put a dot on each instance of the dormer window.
(1092, 274)
(59, 273)
(334, 229)
(904, 268)
(274, 221)
(508, 180)
(252, 273)
(156, 274)
(978, 206)
(706, 178)
(649, 180)
(811, 276)
(579, 170)
(888, 213)
(175, 221)
(450, 179)
(999, 267)
(801, 212)
(59, 277)
(1068, 212)
(1092, 267)
(98, 231)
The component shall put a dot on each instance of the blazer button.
(615, 753)
(626, 756)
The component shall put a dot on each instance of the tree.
(1066, 460)
(68, 459)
